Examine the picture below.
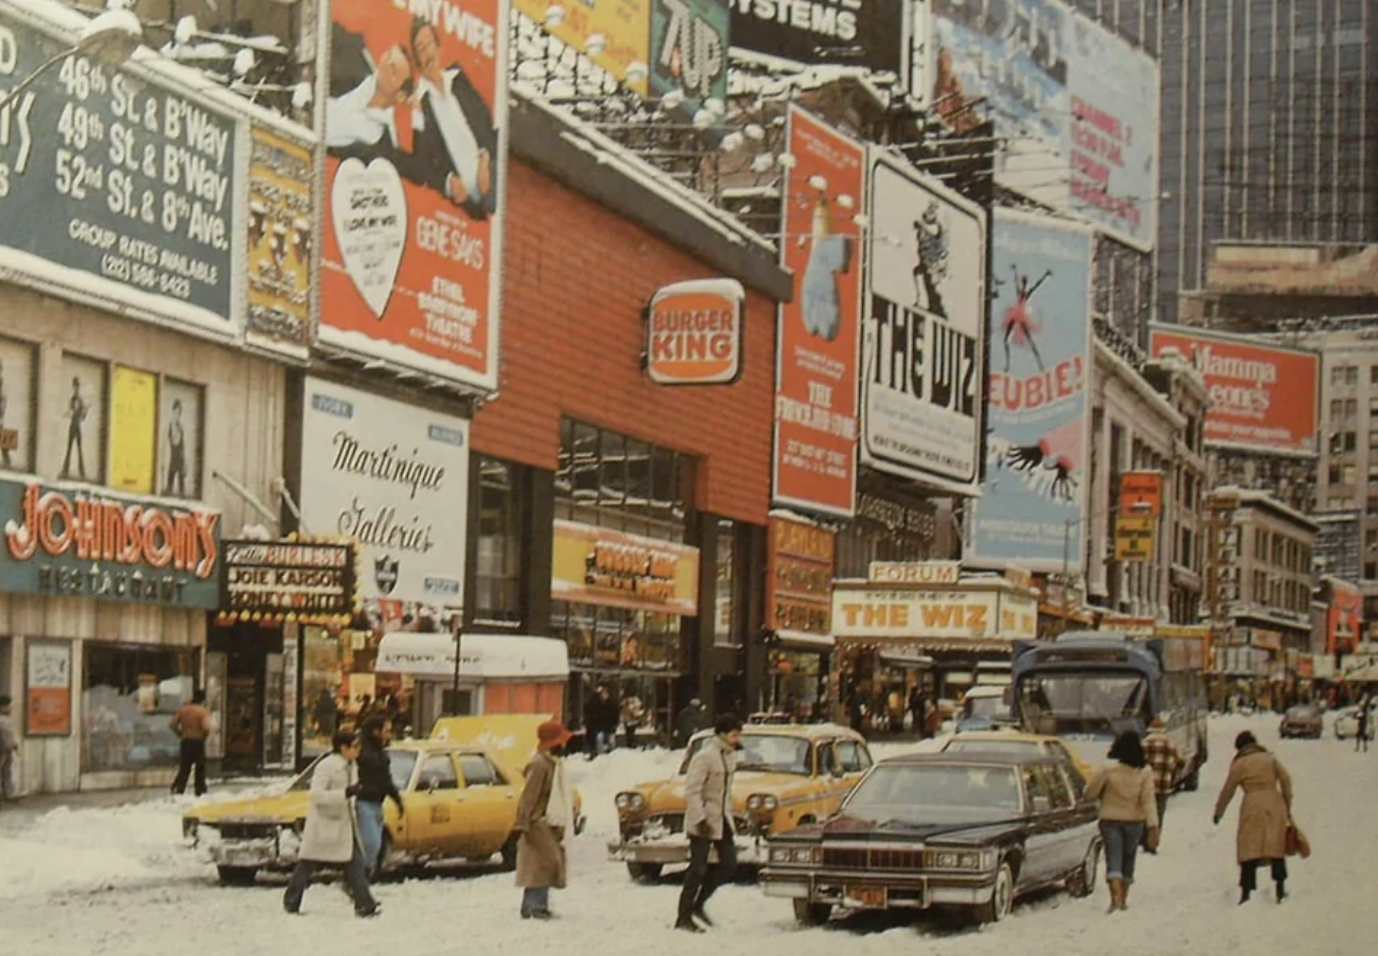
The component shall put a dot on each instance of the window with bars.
(613, 481)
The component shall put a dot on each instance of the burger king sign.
(694, 333)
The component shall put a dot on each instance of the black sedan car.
(1302, 720)
(971, 831)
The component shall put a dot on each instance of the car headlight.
(631, 801)
(954, 859)
(762, 803)
(799, 855)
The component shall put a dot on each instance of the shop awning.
(806, 641)
(483, 656)
(901, 659)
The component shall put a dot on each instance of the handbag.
(1297, 844)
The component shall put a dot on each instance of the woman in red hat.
(545, 821)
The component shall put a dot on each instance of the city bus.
(1088, 686)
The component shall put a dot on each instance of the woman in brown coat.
(1263, 816)
(545, 819)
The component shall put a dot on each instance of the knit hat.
(552, 734)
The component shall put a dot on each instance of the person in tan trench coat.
(1264, 814)
(545, 820)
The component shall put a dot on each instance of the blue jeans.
(1121, 847)
(535, 900)
(370, 818)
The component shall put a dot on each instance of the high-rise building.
(1269, 124)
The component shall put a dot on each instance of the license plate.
(872, 896)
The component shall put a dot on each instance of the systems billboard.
(1075, 106)
(1040, 334)
(415, 146)
(863, 33)
(1263, 397)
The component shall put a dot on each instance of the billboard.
(1264, 397)
(924, 321)
(279, 255)
(592, 565)
(799, 577)
(814, 459)
(129, 189)
(1338, 543)
(1076, 106)
(1317, 269)
(414, 174)
(1040, 334)
(694, 333)
(863, 33)
(621, 28)
(689, 40)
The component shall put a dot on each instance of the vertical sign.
(133, 429)
(414, 117)
(1141, 494)
(279, 252)
(925, 322)
(819, 328)
(799, 577)
(1040, 341)
(49, 703)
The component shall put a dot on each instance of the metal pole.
(1066, 572)
(24, 84)
(454, 693)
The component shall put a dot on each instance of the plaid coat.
(1163, 757)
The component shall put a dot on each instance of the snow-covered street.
(120, 881)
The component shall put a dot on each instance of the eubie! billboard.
(1263, 397)
(622, 29)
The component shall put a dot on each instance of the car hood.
(846, 827)
(283, 808)
(666, 796)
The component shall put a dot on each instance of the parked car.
(1302, 720)
(1029, 745)
(787, 775)
(971, 831)
(1347, 720)
(984, 707)
(460, 789)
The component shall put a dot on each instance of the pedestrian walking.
(633, 711)
(690, 721)
(1165, 760)
(1364, 730)
(545, 822)
(375, 786)
(1128, 813)
(331, 836)
(192, 724)
(1264, 814)
(9, 749)
(916, 712)
(708, 821)
(600, 721)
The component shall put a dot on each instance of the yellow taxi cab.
(1024, 744)
(786, 775)
(460, 789)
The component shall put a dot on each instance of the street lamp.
(1138, 508)
(111, 38)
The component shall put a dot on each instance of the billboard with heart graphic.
(415, 110)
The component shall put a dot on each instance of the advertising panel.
(819, 328)
(915, 613)
(799, 577)
(1134, 538)
(49, 684)
(601, 566)
(306, 581)
(127, 189)
(621, 28)
(914, 572)
(17, 392)
(1327, 269)
(415, 115)
(1344, 618)
(1076, 105)
(1338, 549)
(863, 33)
(1264, 397)
(107, 546)
(280, 245)
(1141, 493)
(1040, 335)
(925, 319)
(395, 479)
(694, 333)
(133, 429)
(689, 40)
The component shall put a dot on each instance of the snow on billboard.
(1077, 106)
(1264, 397)
(414, 175)
(924, 322)
(1040, 335)
(819, 328)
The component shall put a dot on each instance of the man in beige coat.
(1263, 816)
(545, 820)
(708, 821)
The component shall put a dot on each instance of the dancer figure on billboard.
(931, 268)
(77, 409)
(829, 260)
(1053, 461)
(1017, 320)
(176, 452)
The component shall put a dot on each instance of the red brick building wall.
(576, 279)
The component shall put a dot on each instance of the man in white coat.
(331, 835)
(708, 821)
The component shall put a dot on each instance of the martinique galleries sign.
(109, 547)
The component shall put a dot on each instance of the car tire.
(1001, 896)
(812, 914)
(509, 853)
(644, 872)
(1082, 882)
(237, 875)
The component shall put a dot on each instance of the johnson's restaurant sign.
(106, 546)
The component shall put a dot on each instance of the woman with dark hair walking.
(1264, 814)
(1128, 808)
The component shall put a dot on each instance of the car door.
(490, 805)
(1070, 819)
(1059, 751)
(1041, 848)
(437, 828)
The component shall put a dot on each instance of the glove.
(354, 789)
(1151, 840)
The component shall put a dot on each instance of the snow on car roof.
(808, 731)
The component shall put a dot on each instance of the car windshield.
(1060, 704)
(400, 764)
(990, 707)
(772, 752)
(936, 794)
(1023, 748)
(1302, 710)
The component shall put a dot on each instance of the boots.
(1244, 895)
(1117, 891)
(1282, 890)
(1124, 894)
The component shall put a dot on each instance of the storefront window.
(613, 481)
(321, 686)
(498, 574)
(128, 699)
